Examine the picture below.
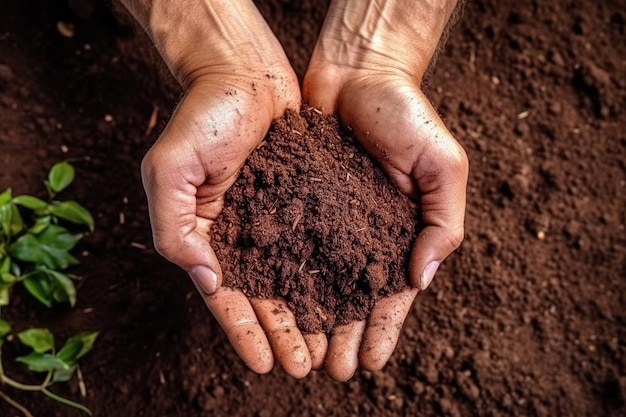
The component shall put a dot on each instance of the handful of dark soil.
(313, 220)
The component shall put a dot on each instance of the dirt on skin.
(312, 220)
(526, 319)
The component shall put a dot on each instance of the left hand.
(237, 79)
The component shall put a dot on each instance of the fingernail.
(428, 274)
(205, 278)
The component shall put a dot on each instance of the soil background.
(526, 319)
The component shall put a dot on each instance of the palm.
(397, 125)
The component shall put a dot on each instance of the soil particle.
(6, 73)
(304, 222)
(467, 387)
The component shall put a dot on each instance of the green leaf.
(5, 328)
(40, 224)
(61, 175)
(6, 213)
(74, 349)
(59, 237)
(39, 287)
(7, 279)
(30, 202)
(4, 297)
(41, 340)
(63, 375)
(17, 224)
(87, 339)
(70, 350)
(5, 265)
(5, 196)
(73, 212)
(11, 221)
(50, 247)
(42, 362)
(62, 286)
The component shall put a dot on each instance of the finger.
(383, 329)
(317, 344)
(320, 90)
(233, 312)
(288, 344)
(441, 175)
(343, 350)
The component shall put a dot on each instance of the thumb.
(201, 264)
(441, 176)
(180, 233)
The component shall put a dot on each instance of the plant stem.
(10, 382)
(42, 388)
(67, 402)
(6, 380)
(15, 404)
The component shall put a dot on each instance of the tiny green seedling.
(59, 366)
(35, 250)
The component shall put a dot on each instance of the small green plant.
(35, 251)
(59, 366)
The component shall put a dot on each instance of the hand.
(237, 80)
(376, 93)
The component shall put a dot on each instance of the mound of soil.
(313, 220)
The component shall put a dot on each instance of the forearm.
(403, 34)
(196, 36)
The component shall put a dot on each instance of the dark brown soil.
(311, 219)
(526, 319)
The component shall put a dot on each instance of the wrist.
(400, 36)
(199, 37)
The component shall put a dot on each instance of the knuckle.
(170, 245)
(458, 160)
(456, 237)
(147, 165)
(165, 248)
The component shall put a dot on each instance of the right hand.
(221, 119)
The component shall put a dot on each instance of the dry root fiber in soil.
(313, 220)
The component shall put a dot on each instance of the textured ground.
(527, 318)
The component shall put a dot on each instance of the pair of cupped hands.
(358, 71)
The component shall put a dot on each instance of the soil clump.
(313, 220)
